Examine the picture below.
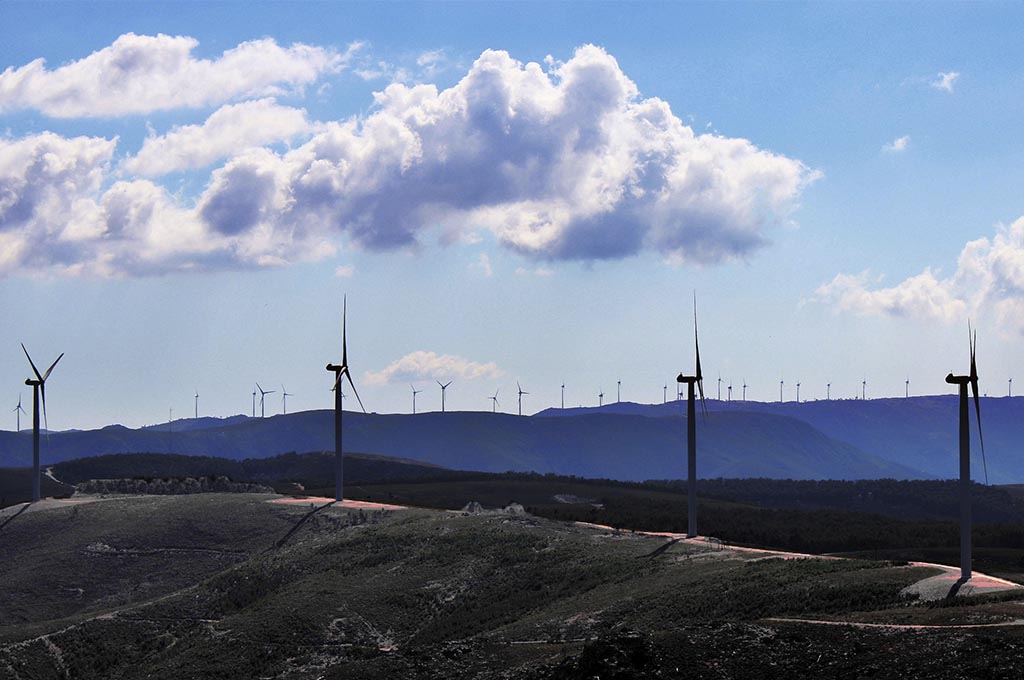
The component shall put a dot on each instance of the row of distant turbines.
(694, 384)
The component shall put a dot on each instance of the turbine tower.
(339, 373)
(781, 383)
(18, 410)
(719, 387)
(414, 393)
(744, 389)
(906, 393)
(618, 391)
(521, 393)
(798, 393)
(962, 381)
(563, 396)
(197, 404)
(38, 388)
(263, 394)
(864, 389)
(691, 430)
(828, 391)
(1009, 389)
(284, 399)
(664, 396)
(494, 401)
(600, 398)
(443, 388)
(730, 391)
(254, 403)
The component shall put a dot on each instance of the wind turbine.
(730, 392)
(197, 404)
(600, 398)
(828, 391)
(254, 403)
(798, 393)
(443, 388)
(563, 396)
(781, 383)
(263, 394)
(339, 373)
(664, 396)
(744, 389)
(284, 399)
(521, 393)
(618, 391)
(864, 389)
(691, 430)
(719, 387)
(18, 410)
(494, 401)
(38, 387)
(906, 393)
(1009, 389)
(414, 393)
(962, 381)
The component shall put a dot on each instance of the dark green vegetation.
(192, 586)
(16, 486)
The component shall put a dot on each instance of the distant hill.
(626, 447)
(919, 432)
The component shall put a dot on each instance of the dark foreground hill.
(200, 586)
(627, 447)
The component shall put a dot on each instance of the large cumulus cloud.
(569, 163)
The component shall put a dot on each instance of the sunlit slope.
(628, 447)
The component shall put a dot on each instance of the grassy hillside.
(418, 594)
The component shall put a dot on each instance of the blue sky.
(840, 183)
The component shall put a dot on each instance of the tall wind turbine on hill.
(906, 393)
(664, 395)
(730, 391)
(691, 430)
(600, 398)
(864, 389)
(494, 401)
(962, 381)
(719, 387)
(254, 403)
(284, 399)
(197, 404)
(798, 393)
(828, 391)
(38, 388)
(443, 388)
(618, 391)
(341, 371)
(1009, 389)
(781, 383)
(18, 410)
(744, 389)
(521, 393)
(263, 394)
(414, 393)
(563, 396)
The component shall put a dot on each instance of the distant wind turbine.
(521, 393)
(38, 388)
(664, 396)
(600, 398)
(341, 372)
(494, 401)
(962, 382)
(254, 403)
(864, 389)
(18, 410)
(263, 394)
(1009, 389)
(284, 399)
(691, 382)
(906, 392)
(730, 392)
(443, 388)
(197, 404)
(781, 383)
(828, 391)
(618, 391)
(719, 387)
(414, 393)
(563, 396)
(744, 389)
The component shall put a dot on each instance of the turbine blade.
(696, 343)
(354, 390)
(42, 394)
(977, 401)
(50, 369)
(30, 363)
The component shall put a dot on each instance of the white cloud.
(229, 130)
(422, 365)
(897, 145)
(139, 74)
(483, 264)
(567, 164)
(989, 281)
(944, 81)
(535, 271)
(345, 271)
